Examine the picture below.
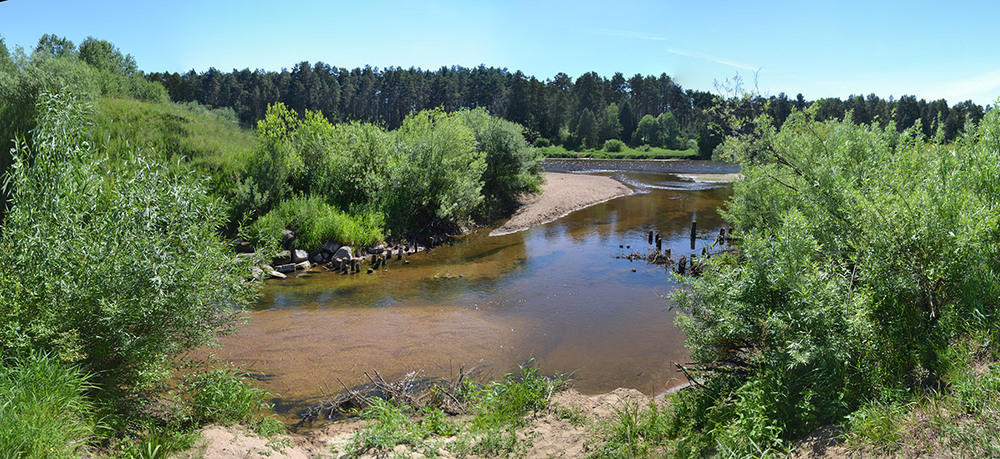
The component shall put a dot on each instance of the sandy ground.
(562, 194)
(551, 436)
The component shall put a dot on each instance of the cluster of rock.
(333, 257)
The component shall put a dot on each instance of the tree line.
(576, 113)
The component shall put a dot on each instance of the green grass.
(633, 432)
(223, 396)
(626, 153)
(44, 411)
(209, 140)
(315, 222)
(959, 418)
(499, 410)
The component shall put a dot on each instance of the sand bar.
(562, 194)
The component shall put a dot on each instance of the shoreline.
(562, 194)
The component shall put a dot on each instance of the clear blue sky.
(821, 49)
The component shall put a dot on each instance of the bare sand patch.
(562, 194)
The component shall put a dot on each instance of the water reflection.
(556, 293)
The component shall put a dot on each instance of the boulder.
(344, 253)
(285, 268)
(256, 272)
(303, 265)
(277, 275)
(282, 258)
(243, 247)
(298, 256)
(318, 257)
(330, 247)
(287, 238)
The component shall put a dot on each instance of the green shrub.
(119, 270)
(614, 145)
(512, 167)
(225, 397)
(43, 408)
(865, 253)
(439, 181)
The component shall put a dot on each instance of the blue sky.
(820, 49)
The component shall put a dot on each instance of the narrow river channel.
(563, 294)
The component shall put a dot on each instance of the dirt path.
(562, 194)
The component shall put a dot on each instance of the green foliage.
(640, 152)
(668, 131)
(43, 408)
(865, 253)
(614, 146)
(57, 66)
(633, 432)
(499, 409)
(508, 401)
(587, 129)
(224, 397)
(709, 137)
(647, 132)
(388, 426)
(434, 173)
(188, 134)
(119, 270)
(50, 45)
(512, 166)
(439, 180)
(315, 222)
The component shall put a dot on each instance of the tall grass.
(43, 408)
(315, 222)
(206, 139)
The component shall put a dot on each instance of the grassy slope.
(202, 138)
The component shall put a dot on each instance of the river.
(562, 294)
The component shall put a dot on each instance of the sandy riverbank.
(552, 435)
(562, 194)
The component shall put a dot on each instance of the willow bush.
(118, 270)
(866, 253)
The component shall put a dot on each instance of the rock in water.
(344, 253)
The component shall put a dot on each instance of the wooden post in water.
(650, 238)
(694, 231)
(659, 243)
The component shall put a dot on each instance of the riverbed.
(562, 294)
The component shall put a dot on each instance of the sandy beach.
(562, 194)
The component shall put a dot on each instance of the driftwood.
(449, 395)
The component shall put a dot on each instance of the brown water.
(555, 293)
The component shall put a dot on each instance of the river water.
(558, 293)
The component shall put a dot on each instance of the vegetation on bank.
(867, 288)
(495, 414)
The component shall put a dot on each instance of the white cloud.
(711, 58)
(977, 87)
